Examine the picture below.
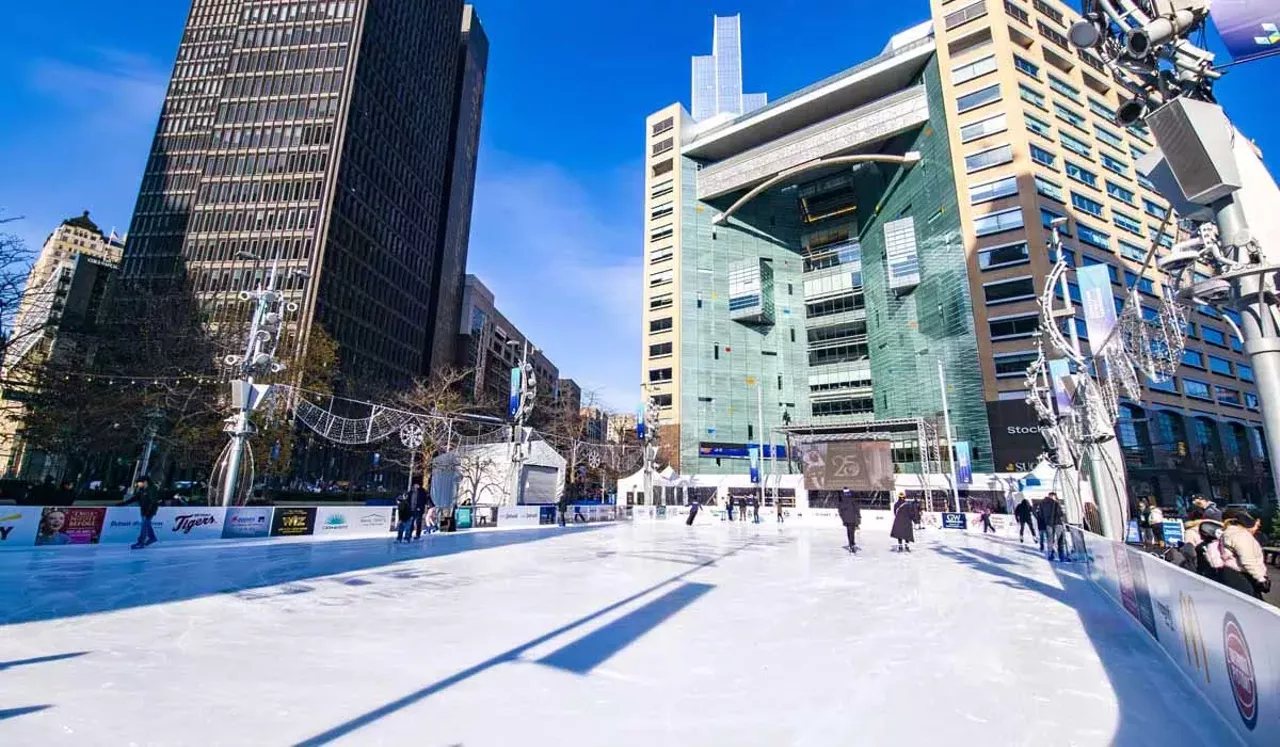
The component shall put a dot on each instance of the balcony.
(1016, 12)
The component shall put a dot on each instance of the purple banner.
(1249, 28)
(1063, 385)
(1099, 305)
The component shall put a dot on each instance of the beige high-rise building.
(811, 262)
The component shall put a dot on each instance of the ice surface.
(647, 634)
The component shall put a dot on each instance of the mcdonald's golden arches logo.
(1192, 635)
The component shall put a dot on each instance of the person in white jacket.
(1156, 517)
(1244, 568)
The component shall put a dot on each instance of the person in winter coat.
(1203, 508)
(986, 520)
(755, 510)
(1054, 522)
(728, 507)
(904, 521)
(1023, 514)
(1155, 515)
(1244, 568)
(1041, 532)
(693, 512)
(420, 501)
(148, 500)
(851, 517)
(404, 517)
(563, 505)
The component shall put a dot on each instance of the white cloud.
(120, 91)
(564, 265)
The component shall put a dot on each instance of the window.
(1132, 251)
(659, 234)
(1005, 291)
(1119, 192)
(663, 167)
(663, 126)
(1014, 327)
(1144, 181)
(662, 211)
(1116, 165)
(662, 190)
(1005, 255)
(980, 97)
(1220, 366)
(1084, 204)
(1046, 9)
(976, 69)
(1108, 137)
(1193, 358)
(1068, 257)
(1027, 67)
(1126, 223)
(1094, 237)
(1044, 157)
(1053, 36)
(1011, 365)
(661, 255)
(988, 158)
(659, 325)
(1064, 88)
(1068, 116)
(662, 400)
(1140, 131)
(1032, 96)
(1197, 389)
(1083, 176)
(1245, 372)
(662, 302)
(661, 277)
(1163, 239)
(1047, 217)
(1075, 145)
(1143, 284)
(659, 350)
(1213, 336)
(1073, 292)
(980, 193)
(1251, 402)
(984, 127)
(662, 146)
(1227, 396)
(1153, 209)
(1049, 189)
(1038, 126)
(964, 15)
(1005, 220)
(659, 374)
(1102, 110)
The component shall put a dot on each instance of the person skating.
(986, 520)
(904, 521)
(404, 517)
(781, 518)
(755, 510)
(148, 500)
(728, 507)
(1055, 526)
(1244, 567)
(693, 513)
(563, 506)
(418, 503)
(851, 517)
(1023, 514)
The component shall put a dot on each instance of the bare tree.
(480, 475)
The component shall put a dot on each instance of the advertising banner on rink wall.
(70, 525)
(124, 524)
(353, 521)
(190, 523)
(293, 522)
(520, 516)
(1228, 644)
(18, 526)
(247, 522)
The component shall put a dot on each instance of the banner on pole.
(755, 464)
(1064, 386)
(1249, 28)
(1099, 305)
(640, 422)
(964, 463)
(856, 465)
(513, 403)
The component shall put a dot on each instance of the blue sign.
(1173, 532)
(964, 463)
(640, 422)
(738, 451)
(954, 520)
(755, 464)
(1249, 28)
(1099, 305)
(513, 406)
(1131, 534)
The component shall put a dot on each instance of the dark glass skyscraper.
(322, 135)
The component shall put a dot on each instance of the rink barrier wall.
(872, 519)
(54, 526)
(1226, 643)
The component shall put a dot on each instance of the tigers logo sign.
(1244, 683)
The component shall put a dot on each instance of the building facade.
(64, 292)
(319, 136)
(717, 77)
(795, 274)
(489, 346)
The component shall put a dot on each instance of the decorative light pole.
(259, 359)
(524, 389)
(647, 431)
(411, 437)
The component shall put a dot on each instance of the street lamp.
(523, 392)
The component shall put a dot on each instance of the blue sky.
(557, 225)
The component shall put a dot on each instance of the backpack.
(1217, 554)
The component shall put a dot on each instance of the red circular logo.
(1244, 685)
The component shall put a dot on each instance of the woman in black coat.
(904, 519)
(851, 517)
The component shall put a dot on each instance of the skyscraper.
(321, 136)
(790, 278)
(717, 77)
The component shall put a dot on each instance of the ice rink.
(646, 634)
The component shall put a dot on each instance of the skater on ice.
(904, 520)
(1023, 514)
(986, 520)
(148, 500)
(850, 516)
(693, 512)
(1054, 522)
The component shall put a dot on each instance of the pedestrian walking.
(851, 517)
(986, 520)
(1243, 565)
(905, 514)
(1023, 514)
(693, 513)
(1054, 522)
(148, 500)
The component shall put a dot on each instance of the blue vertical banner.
(640, 422)
(513, 406)
(1099, 304)
(1063, 385)
(755, 464)
(964, 463)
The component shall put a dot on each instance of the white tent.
(485, 475)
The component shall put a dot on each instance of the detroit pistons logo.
(1244, 683)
